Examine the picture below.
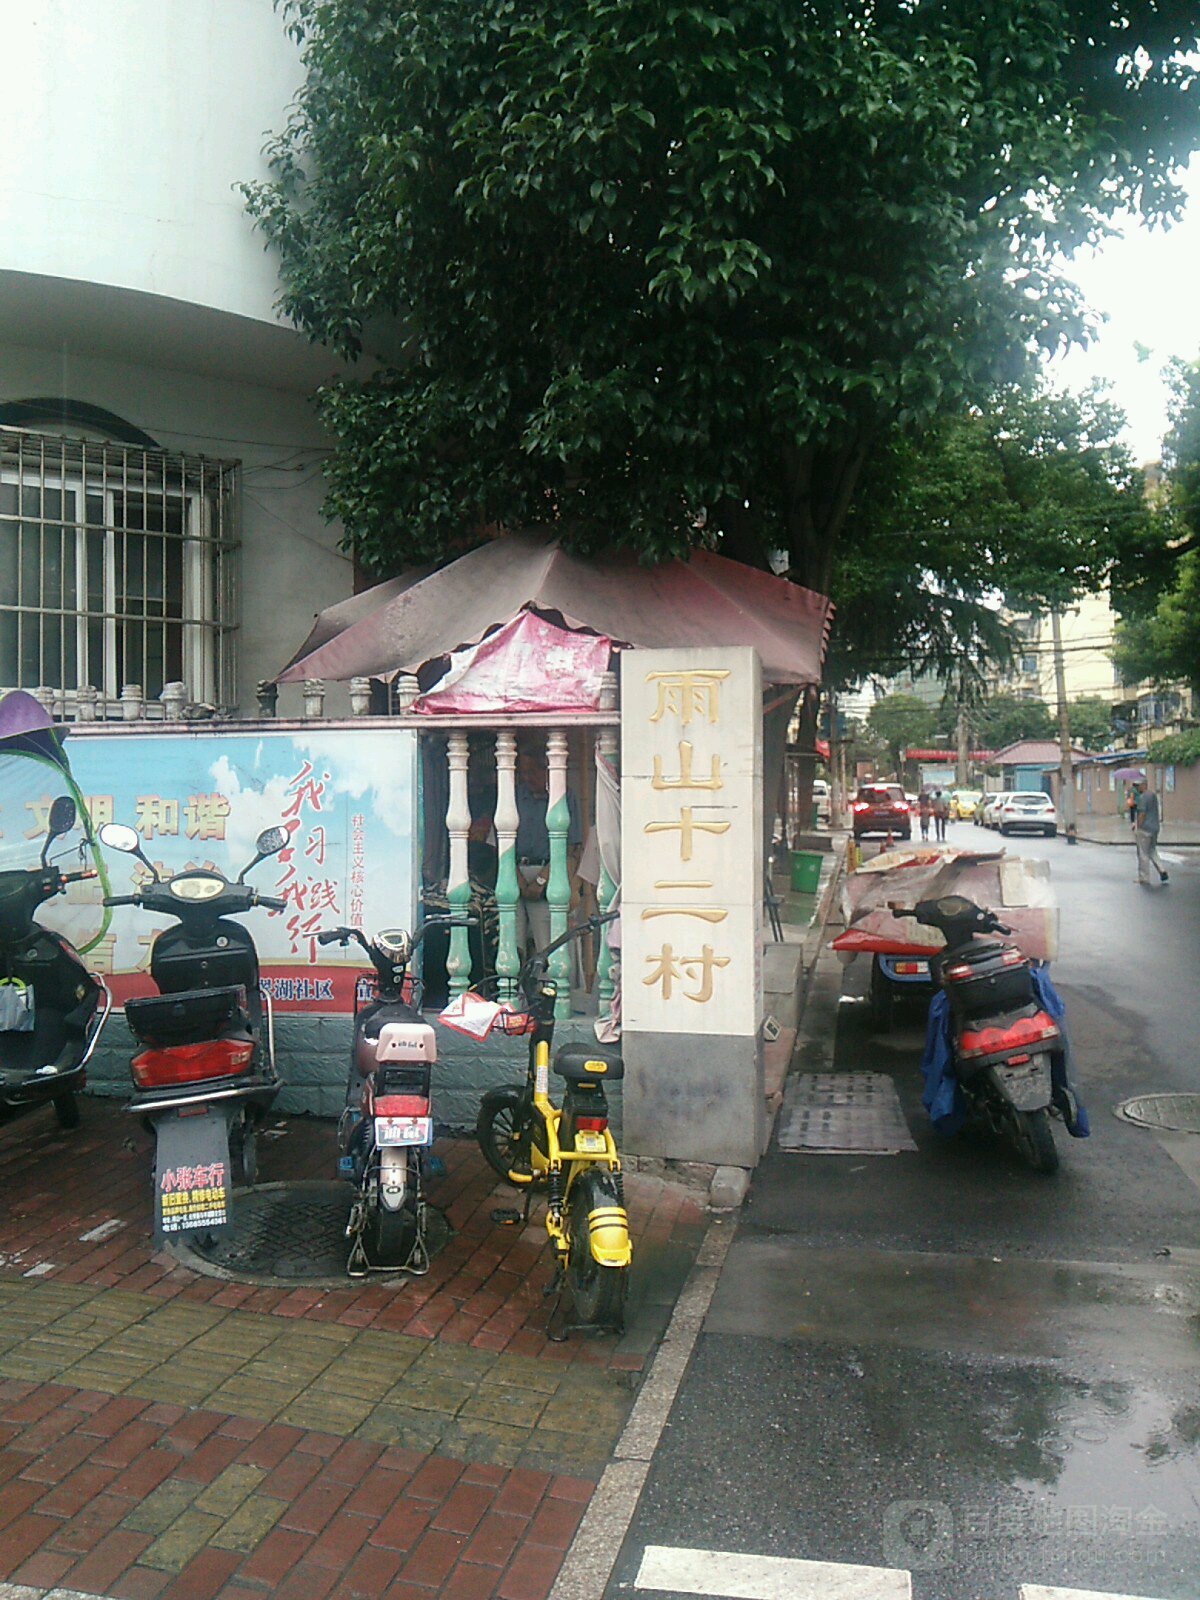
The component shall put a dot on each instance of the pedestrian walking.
(1145, 834)
(941, 812)
(924, 812)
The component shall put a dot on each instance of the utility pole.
(1066, 776)
(962, 758)
(835, 764)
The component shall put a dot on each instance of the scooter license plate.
(589, 1144)
(403, 1130)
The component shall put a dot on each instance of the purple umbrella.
(26, 725)
(1130, 774)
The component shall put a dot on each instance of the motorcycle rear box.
(223, 958)
(163, 1020)
(990, 984)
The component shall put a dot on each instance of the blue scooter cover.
(943, 1096)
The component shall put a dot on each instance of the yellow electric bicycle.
(568, 1152)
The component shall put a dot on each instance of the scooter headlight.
(196, 886)
(395, 944)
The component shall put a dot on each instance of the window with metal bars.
(116, 567)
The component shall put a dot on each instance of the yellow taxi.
(963, 803)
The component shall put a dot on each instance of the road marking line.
(737, 1577)
(1177, 861)
(1037, 1591)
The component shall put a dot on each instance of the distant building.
(1024, 764)
(1087, 638)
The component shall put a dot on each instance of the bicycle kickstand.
(555, 1288)
(510, 1217)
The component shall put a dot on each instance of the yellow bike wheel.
(597, 1291)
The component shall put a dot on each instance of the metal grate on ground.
(290, 1233)
(843, 1113)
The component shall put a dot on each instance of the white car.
(985, 811)
(1027, 811)
(822, 800)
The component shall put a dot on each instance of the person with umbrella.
(1132, 776)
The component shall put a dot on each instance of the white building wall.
(127, 124)
(132, 279)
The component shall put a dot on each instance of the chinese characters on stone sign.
(691, 807)
(683, 698)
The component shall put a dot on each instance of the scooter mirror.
(62, 816)
(61, 820)
(270, 842)
(120, 836)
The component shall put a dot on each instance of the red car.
(881, 808)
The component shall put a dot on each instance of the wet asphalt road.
(942, 1362)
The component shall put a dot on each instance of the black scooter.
(52, 1009)
(206, 1076)
(994, 1034)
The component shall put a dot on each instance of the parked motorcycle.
(386, 1129)
(205, 1076)
(52, 1009)
(995, 1047)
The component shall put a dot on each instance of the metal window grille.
(117, 566)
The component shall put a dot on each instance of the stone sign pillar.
(691, 904)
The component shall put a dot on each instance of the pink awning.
(706, 600)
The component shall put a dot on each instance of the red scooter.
(995, 1045)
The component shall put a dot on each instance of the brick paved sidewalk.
(163, 1433)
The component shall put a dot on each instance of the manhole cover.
(290, 1233)
(1177, 1113)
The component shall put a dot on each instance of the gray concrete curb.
(814, 941)
(815, 938)
(589, 1561)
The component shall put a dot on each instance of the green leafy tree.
(899, 721)
(1002, 719)
(1090, 722)
(662, 275)
(1032, 498)
(1183, 749)
(1159, 634)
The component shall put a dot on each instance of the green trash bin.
(806, 871)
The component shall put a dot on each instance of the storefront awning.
(704, 601)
